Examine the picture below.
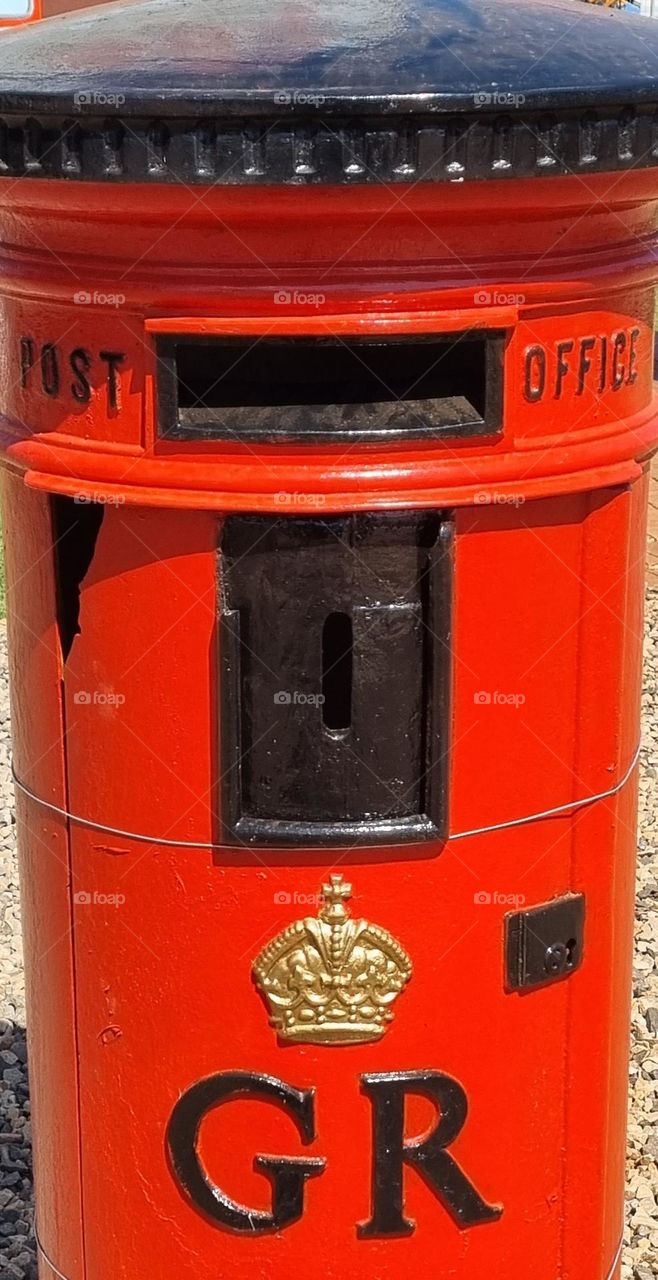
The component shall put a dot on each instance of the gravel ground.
(640, 1261)
(17, 1251)
(641, 1238)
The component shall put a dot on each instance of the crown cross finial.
(337, 889)
(332, 979)
(334, 896)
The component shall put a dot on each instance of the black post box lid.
(329, 91)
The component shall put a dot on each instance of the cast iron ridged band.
(458, 835)
(327, 150)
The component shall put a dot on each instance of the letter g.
(287, 1175)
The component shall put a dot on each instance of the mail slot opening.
(337, 663)
(259, 389)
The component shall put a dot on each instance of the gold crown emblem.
(332, 980)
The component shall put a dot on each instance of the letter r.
(391, 1151)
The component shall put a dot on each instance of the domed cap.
(334, 91)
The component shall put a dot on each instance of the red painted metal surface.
(234, 260)
(13, 13)
(139, 951)
(39, 757)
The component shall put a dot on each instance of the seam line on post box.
(200, 844)
(616, 1259)
(61, 1275)
(551, 813)
(45, 1257)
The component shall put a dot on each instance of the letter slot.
(305, 389)
(334, 644)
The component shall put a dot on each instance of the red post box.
(326, 406)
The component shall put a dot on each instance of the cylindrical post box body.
(327, 407)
